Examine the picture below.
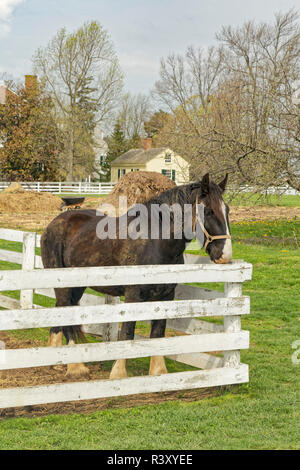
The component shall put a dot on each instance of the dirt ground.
(38, 220)
(50, 375)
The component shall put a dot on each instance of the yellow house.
(162, 160)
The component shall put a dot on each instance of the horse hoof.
(77, 371)
(157, 366)
(118, 370)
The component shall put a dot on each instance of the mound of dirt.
(14, 188)
(138, 187)
(15, 199)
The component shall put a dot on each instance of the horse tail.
(52, 251)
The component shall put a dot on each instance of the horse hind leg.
(73, 333)
(157, 363)
(118, 370)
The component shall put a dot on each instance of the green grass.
(263, 414)
(249, 199)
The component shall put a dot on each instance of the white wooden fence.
(201, 337)
(82, 187)
(65, 187)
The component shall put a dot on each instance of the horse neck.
(180, 195)
(177, 195)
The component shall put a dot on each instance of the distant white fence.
(287, 190)
(105, 188)
(194, 348)
(64, 187)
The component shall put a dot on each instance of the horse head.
(211, 218)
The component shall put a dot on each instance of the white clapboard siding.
(81, 315)
(107, 351)
(25, 396)
(118, 275)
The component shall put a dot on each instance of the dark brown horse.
(72, 240)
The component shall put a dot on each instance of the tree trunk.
(70, 154)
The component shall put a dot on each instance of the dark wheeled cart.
(70, 203)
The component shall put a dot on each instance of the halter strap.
(209, 238)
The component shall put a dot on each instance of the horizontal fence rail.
(128, 275)
(27, 396)
(65, 187)
(196, 345)
(81, 187)
(35, 357)
(60, 316)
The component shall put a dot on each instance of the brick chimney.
(147, 143)
(30, 82)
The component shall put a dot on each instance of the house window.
(121, 172)
(102, 159)
(168, 157)
(170, 174)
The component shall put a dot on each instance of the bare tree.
(134, 111)
(232, 106)
(81, 71)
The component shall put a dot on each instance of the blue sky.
(143, 31)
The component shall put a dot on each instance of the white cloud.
(6, 10)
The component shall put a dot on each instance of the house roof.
(138, 156)
(3, 93)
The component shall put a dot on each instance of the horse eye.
(209, 212)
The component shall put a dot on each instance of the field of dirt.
(38, 219)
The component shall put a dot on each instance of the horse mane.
(177, 195)
(214, 197)
(187, 194)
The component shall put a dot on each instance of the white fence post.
(26, 296)
(232, 324)
(110, 331)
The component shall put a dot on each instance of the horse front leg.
(157, 363)
(118, 370)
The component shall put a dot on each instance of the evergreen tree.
(117, 145)
(31, 139)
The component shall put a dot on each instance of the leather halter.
(209, 238)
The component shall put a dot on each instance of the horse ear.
(205, 184)
(223, 183)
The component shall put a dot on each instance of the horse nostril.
(222, 260)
